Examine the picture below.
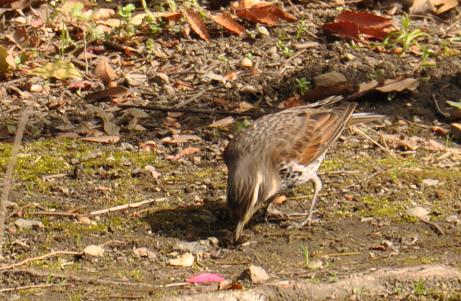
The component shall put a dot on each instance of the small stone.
(430, 182)
(185, 260)
(144, 252)
(315, 264)
(93, 250)
(454, 219)
(455, 129)
(418, 212)
(249, 89)
(257, 274)
(246, 62)
(28, 224)
(213, 241)
(85, 220)
(191, 247)
(263, 31)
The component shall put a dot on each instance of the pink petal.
(205, 277)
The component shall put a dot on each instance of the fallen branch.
(25, 261)
(124, 207)
(8, 179)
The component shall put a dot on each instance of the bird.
(281, 150)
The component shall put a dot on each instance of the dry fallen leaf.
(187, 151)
(221, 123)
(226, 21)
(399, 85)
(176, 139)
(196, 23)
(102, 139)
(261, 12)
(104, 71)
(148, 146)
(114, 92)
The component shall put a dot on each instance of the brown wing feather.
(322, 129)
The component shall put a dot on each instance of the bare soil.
(363, 224)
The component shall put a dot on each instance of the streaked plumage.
(281, 150)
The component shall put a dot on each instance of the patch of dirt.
(362, 209)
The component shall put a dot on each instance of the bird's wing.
(305, 134)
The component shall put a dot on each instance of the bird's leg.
(317, 187)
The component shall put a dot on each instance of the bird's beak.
(238, 231)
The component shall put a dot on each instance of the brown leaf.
(226, 21)
(153, 172)
(399, 85)
(222, 122)
(115, 92)
(262, 12)
(176, 139)
(102, 139)
(351, 24)
(104, 71)
(364, 19)
(196, 23)
(183, 153)
(148, 146)
(444, 5)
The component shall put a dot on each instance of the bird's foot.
(309, 221)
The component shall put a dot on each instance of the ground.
(364, 223)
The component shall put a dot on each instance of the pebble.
(257, 274)
(93, 250)
(28, 224)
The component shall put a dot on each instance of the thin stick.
(28, 287)
(8, 179)
(359, 131)
(123, 207)
(27, 260)
(185, 110)
(85, 279)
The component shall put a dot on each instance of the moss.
(380, 207)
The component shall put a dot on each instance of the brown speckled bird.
(282, 150)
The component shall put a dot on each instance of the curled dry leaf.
(222, 123)
(399, 85)
(401, 142)
(261, 12)
(196, 23)
(104, 71)
(226, 21)
(102, 139)
(114, 92)
(148, 146)
(187, 151)
(176, 139)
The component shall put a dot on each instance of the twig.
(27, 260)
(55, 213)
(192, 99)
(434, 226)
(437, 107)
(85, 279)
(28, 287)
(184, 110)
(126, 206)
(387, 150)
(8, 179)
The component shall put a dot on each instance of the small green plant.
(302, 84)
(305, 253)
(241, 125)
(284, 49)
(126, 12)
(300, 28)
(405, 37)
(420, 288)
